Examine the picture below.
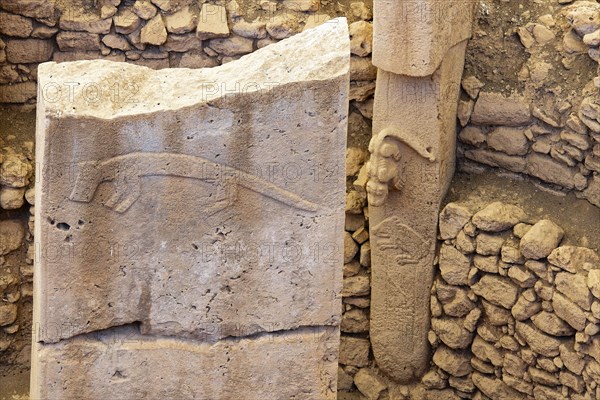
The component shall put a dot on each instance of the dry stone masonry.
(254, 281)
(546, 124)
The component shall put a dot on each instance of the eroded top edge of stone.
(106, 89)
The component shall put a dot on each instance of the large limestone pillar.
(419, 49)
(189, 226)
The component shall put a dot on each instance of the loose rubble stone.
(524, 308)
(488, 245)
(282, 26)
(574, 286)
(498, 217)
(126, 21)
(569, 311)
(511, 141)
(182, 21)
(572, 359)
(154, 32)
(84, 22)
(354, 351)
(361, 38)
(487, 352)
(574, 259)
(496, 315)
(232, 46)
(452, 219)
(369, 383)
(355, 321)
(15, 25)
(144, 9)
(356, 286)
(8, 313)
(497, 290)
(301, 5)
(538, 341)
(452, 333)
(11, 198)
(68, 41)
(486, 264)
(254, 30)
(454, 266)
(27, 51)
(552, 171)
(11, 236)
(593, 282)
(472, 135)
(494, 109)
(15, 171)
(541, 239)
(584, 17)
(472, 86)
(521, 276)
(116, 42)
(551, 324)
(43, 10)
(456, 363)
(495, 388)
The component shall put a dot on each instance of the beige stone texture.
(413, 37)
(421, 114)
(212, 22)
(261, 252)
(120, 363)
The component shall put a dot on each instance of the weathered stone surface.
(541, 239)
(232, 46)
(456, 363)
(282, 26)
(182, 21)
(568, 311)
(8, 313)
(454, 266)
(12, 233)
(487, 352)
(497, 290)
(452, 219)
(11, 198)
(126, 21)
(428, 30)
(212, 22)
(551, 324)
(43, 10)
(592, 192)
(69, 41)
(361, 38)
(452, 333)
(229, 369)
(369, 384)
(403, 228)
(77, 20)
(538, 341)
(15, 25)
(574, 286)
(495, 388)
(26, 51)
(496, 159)
(574, 259)
(354, 351)
(154, 32)
(144, 9)
(511, 141)
(495, 109)
(498, 217)
(550, 170)
(15, 170)
(18, 92)
(173, 145)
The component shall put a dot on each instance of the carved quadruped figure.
(126, 172)
(383, 168)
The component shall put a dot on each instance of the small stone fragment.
(541, 239)
(497, 290)
(452, 219)
(498, 216)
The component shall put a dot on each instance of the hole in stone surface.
(63, 226)
(80, 222)
(51, 221)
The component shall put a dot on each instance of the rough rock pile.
(547, 123)
(16, 271)
(160, 34)
(514, 313)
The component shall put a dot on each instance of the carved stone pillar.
(419, 48)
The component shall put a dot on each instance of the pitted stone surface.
(250, 148)
(124, 364)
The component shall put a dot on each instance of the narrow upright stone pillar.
(189, 226)
(419, 48)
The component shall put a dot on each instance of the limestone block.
(411, 38)
(218, 145)
(15, 25)
(121, 361)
